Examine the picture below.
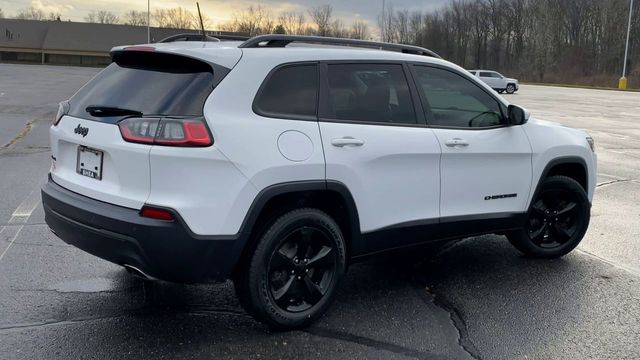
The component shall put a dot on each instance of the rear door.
(486, 164)
(89, 153)
(376, 143)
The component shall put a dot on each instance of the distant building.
(72, 43)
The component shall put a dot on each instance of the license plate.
(89, 162)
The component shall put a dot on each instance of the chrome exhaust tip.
(137, 272)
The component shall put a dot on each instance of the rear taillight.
(156, 213)
(166, 131)
(63, 109)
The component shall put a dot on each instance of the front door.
(486, 164)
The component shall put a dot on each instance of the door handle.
(455, 142)
(346, 141)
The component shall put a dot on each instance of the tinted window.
(152, 83)
(454, 101)
(370, 93)
(485, 74)
(291, 92)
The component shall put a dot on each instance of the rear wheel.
(290, 278)
(511, 89)
(557, 219)
(500, 91)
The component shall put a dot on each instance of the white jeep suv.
(277, 165)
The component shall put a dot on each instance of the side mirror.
(517, 115)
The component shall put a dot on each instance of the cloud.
(52, 6)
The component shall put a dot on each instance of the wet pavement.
(477, 298)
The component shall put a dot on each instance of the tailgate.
(117, 173)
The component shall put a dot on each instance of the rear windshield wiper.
(98, 111)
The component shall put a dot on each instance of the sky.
(219, 11)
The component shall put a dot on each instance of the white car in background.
(497, 81)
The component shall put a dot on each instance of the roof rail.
(188, 37)
(199, 37)
(284, 40)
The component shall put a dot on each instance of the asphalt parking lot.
(477, 298)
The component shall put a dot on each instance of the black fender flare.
(265, 195)
(555, 162)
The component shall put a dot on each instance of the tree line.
(562, 41)
(254, 20)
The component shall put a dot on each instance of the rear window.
(152, 83)
(371, 93)
(290, 93)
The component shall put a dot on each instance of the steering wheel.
(470, 124)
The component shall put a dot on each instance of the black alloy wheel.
(557, 219)
(302, 269)
(553, 218)
(289, 279)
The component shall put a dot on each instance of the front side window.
(290, 93)
(451, 100)
(372, 93)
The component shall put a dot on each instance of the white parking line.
(19, 217)
(12, 237)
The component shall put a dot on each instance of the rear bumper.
(165, 250)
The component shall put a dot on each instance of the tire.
(500, 91)
(557, 219)
(511, 89)
(284, 283)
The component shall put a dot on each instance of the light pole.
(622, 84)
(149, 21)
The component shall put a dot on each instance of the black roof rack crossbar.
(188, 37)
(230, 37)
(199, 37)
(284, 40)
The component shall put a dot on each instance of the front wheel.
(511, 89)
(557, 219)
(291, 277)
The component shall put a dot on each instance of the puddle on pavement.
(89, 285)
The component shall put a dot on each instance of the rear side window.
(151, 83)
(291, 92)
(371, 93)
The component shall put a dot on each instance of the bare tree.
(337, 29)
(359, 30)
(385, 23)
(321, 17)
(254, 20)
(293, 22)
(54, 16)
(135, 18)
(102, 17)
(175, 18)
(30, 13)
